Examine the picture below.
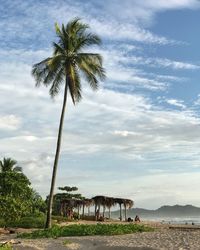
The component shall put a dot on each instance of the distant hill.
(164, 211)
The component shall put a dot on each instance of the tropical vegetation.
(17, 197)
(67, 195)
(84, 230)
(69, 62)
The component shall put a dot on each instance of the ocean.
(175, 220)
(166, 220)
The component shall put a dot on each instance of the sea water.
(175, 220)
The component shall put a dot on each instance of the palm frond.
(8, 164)
(69, 59)
(91, 64)
(58, 80)
(74, 85)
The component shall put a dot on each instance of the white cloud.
(110, 138)
(9, 122)
(197, 101)
(128, 127)
(178, 103)
(159, 62)
(175, 64)
(105, 21)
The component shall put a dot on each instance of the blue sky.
(139, 135)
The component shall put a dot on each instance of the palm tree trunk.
(109, 212)
(55, 166)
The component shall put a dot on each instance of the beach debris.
(9, 242)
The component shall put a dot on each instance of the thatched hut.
(119, 201)
(98, 202)
(127, 205)
(86, 203)
(67, 206)
(109, 202)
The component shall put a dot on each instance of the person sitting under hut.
(137, 219)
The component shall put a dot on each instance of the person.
(97, 214)
(129, 219)
(137, 219)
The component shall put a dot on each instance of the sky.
(138, 136)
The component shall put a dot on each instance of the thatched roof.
(110, 201)
(99, 200)
(119, 201)
(88, 202)
(77, 202)
(128, 203)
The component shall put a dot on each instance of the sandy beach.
(177, 237)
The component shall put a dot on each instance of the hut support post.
(83, 211)
(99, 215)
(109, 212)
(125, 212)
(120, 217)
(104, 208)
(65, 214)
(61, 209)
(78, 212)
(95, 211)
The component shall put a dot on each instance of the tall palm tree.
(9, 165)
(66, 66)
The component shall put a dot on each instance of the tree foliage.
(67, 195)
(69, 61)
(17, 198)
(8, 164)
(68, 189)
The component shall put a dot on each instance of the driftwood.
(8, 242)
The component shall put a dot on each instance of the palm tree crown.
(9, 165)
(69, 60)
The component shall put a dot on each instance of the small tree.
(15, 195)
(17, 198)
(67, 195)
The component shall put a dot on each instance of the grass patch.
(60, 219)
(67, 242)
(6, 247)
(83, 230)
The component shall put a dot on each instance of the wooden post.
(120, 217)
(125, 212)
(95, 211)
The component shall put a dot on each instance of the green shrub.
(26, 222)
(83, 230)
(31, 222)
(2, 222)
